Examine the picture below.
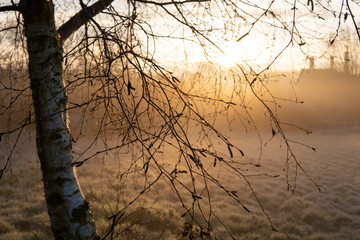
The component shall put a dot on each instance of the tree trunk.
(67, 208)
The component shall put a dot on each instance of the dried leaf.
(130, 87)
(179, 115)
(246, 209)
(202, 233)
(231, 154)
(195, 197)
(77, 164)
(252, 82)
(241, 152)
(215, 162)
(273, 132)
(175, 79)
(195, 160)
(312, 4)
(146, 166)
(346, 16)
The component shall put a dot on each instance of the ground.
(333, 213)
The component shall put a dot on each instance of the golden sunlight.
(239, 52)
(229, 56)
(227, 60)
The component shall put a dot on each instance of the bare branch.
(172, 2)
(352, 17)
(9, 8)
(83, 16)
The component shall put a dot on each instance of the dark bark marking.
(60, 169)
(54, 199)
(81, 213)
(60, 181)
(55, 136)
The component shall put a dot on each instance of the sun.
(228, 56)
(227, 59)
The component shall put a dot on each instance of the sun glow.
(227, 59)
(248, 50)
(229, 55)
(233, 53)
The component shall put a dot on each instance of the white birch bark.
(68, 210)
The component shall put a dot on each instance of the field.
(333, 213)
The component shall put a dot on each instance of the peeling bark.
(67, 208)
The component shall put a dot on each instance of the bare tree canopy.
(160, 83)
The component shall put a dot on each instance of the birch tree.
(68, 210)
(111, 55)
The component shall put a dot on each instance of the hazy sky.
(263, 43)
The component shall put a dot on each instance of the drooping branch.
(83, 16)
(352, 17)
